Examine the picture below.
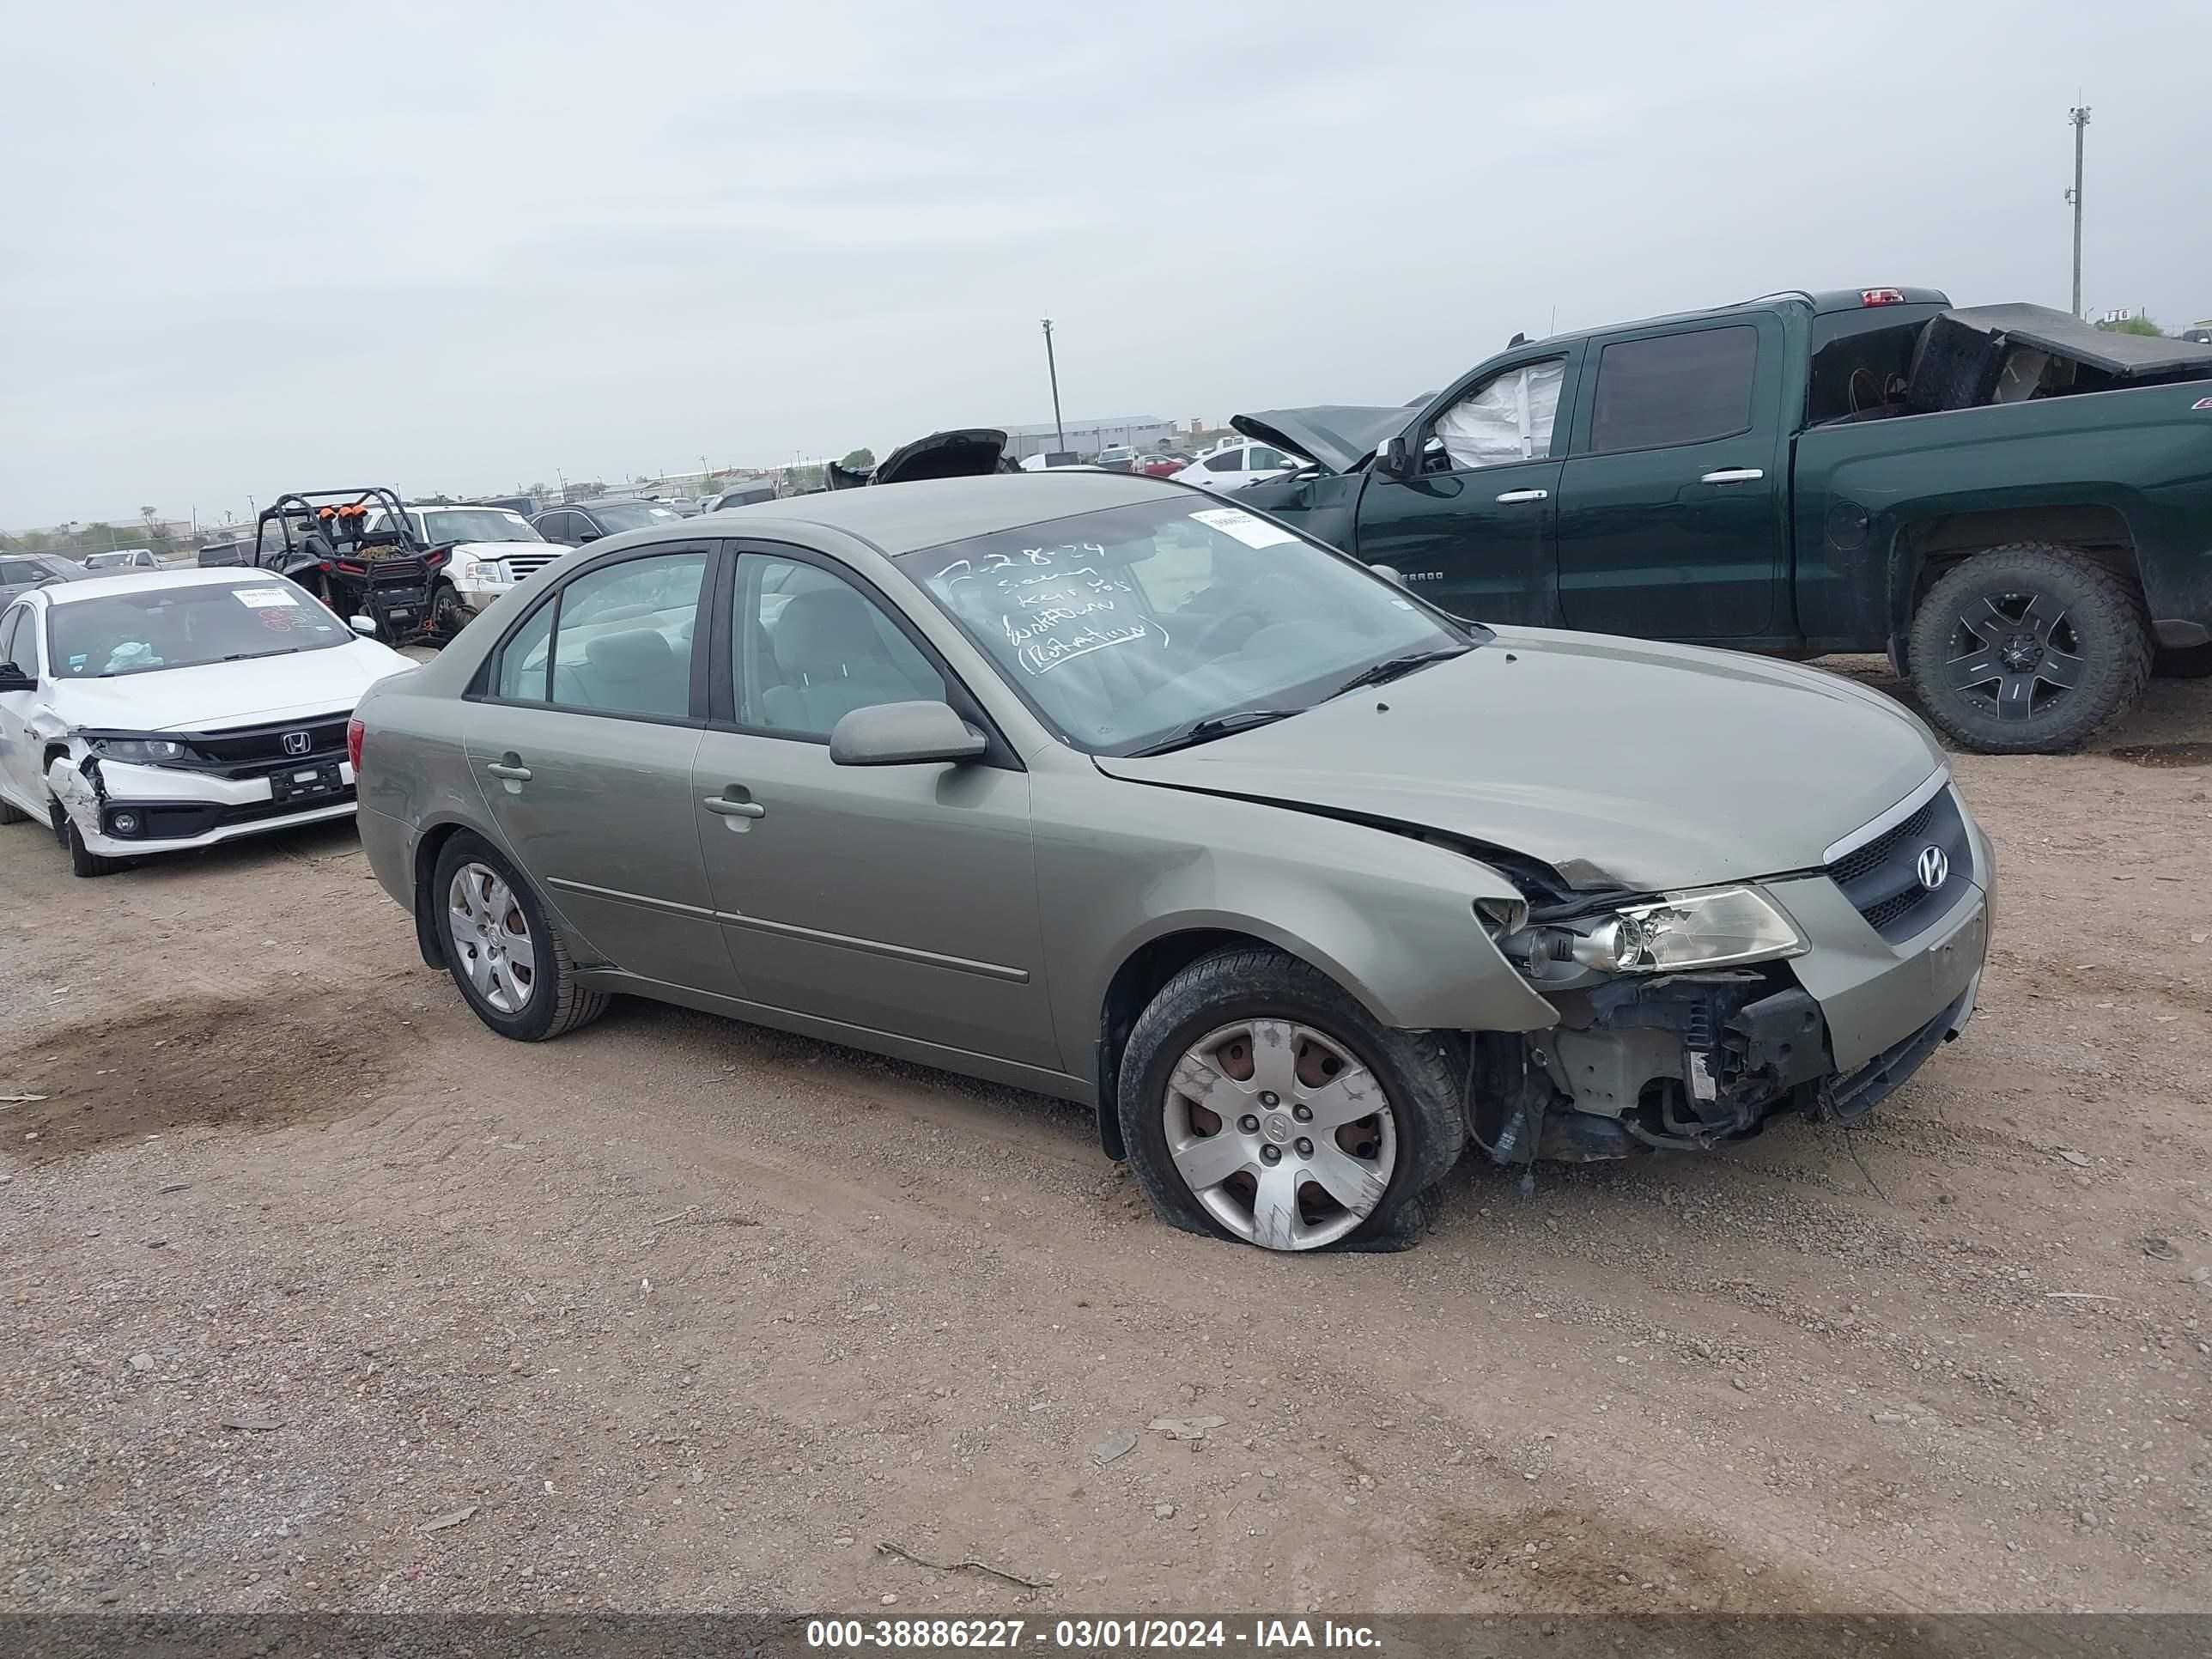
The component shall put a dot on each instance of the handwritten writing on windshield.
(1054, 603)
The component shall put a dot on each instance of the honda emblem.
(298, 743)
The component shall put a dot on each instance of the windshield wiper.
(250, 656)
(1215, 726)
(1391, 668)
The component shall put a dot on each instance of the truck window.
(1508, 417)
(1676, 389)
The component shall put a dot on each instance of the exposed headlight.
(140, 751)
(1716, 927)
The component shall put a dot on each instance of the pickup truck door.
(1474, 530)
(1674, 501)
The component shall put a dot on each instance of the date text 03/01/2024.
(1261, 1634)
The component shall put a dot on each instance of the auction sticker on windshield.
(262, 598)
(1234, 521)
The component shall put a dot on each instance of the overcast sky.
(293, 246)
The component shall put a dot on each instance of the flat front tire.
(511, 967)
(1260, 1102)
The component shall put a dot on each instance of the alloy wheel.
(2015, 655)
(1279, 1131)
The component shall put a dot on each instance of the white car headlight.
(139, 751)
(1713, 927)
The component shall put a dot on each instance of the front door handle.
(735, 809)
(1728, 475)
(1526, 495)
(509, 768)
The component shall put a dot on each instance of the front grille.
(1881, 879)
(250, 751)
(522, 566)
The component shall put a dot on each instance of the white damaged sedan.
(157, 711)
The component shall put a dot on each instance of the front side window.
(623, 638)
(1125, 628)
(19, 642)
(20, 572)
(812, 647)
(1676, 389)
(187, 627)
(1508, 417)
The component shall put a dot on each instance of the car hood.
(1340, 436)
(504, 549)
(217, 695)
(965, 452)
(1617, 762)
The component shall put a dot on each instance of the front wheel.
(449, 615)
(2028, 649)
(83, 861)
(1260, 1102)
(512, 968)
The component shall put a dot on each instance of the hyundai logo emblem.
(1934, 868)
(299, 743)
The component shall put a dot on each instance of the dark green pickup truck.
(1867, 470)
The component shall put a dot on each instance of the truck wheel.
(1260, 1102)
(448, 615)
(2188, 662)
(2028, 649)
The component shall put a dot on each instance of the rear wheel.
(1260, 1102)
(2029, 649)
(448, 616)
(510, 965)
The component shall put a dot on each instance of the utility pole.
(1052, 367)
(2079, 117)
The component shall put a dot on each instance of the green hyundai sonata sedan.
(1096, 784)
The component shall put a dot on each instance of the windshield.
(476, 524)
(615, 517)
(185, 625)
(1125, 628)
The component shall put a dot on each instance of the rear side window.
(621, 643)
(1676, 389)
(1229, 461)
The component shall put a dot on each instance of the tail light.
(354, 732)
(1881, 296)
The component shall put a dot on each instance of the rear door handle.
(1526, 495)
(1728, 475)
(735, 809)
(507, 769)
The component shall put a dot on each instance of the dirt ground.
(316, 1294)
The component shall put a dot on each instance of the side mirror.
(1395, 458)
(904, 735)
(364, 626)
(583, 536)
(1389, 573)
(13, 678)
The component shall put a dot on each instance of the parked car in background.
(1056, 460)
(223, 553)
(1115, 457)
(1239, 466)
(122, 558)
(1773, 477)
(586, 521)
(154, 711)
(1163, 464)
(21, 572)
(1102, 786)
(745, 495)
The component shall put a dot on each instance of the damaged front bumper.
(1688, 1060)
(122, 809)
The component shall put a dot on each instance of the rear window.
(1676, 389)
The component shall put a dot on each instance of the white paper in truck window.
(262, 599)
(1247, 529)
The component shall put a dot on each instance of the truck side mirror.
(1395, 458)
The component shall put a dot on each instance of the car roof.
(95, 587)
(1814, 304)
(902, 518)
